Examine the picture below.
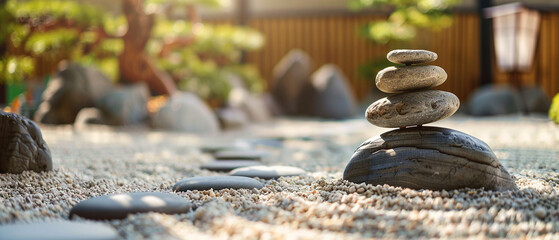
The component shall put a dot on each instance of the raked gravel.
(100, 160)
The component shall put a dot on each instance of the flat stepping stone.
(240, 154)
(118, 206)
(268, 172)
(226, 166)
(63, 230)
(413, 108)
(428, 158)
(408, 56)
(408, 78)
(216, 183)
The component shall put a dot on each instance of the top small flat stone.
(408, 56)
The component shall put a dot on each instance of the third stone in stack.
(421, 157)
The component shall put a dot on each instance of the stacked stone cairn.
(416, 156)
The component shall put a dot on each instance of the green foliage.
(554, 109)
(203, 67)
(206, 65)
(406, 16)
(14, 68)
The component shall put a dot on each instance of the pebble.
(408, 56)
(61, 230)
(412, 108)
(268, 172)
(226, 166)
(216, 183)
(118, 206)
(408, 78)
(240, 154)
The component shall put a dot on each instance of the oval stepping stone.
(118, 206)
(240, 154)
(268, 172)
(226, 166)
(428, 158)
(408, 56)
(63, 230)
(413, 108)
(216, 183)
(407, 78)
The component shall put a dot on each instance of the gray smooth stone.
(428, 158)
(409, 56)
(22, 146)
(290, 76)
(413, 108)
(118, 206)
(63, 230)
(268, 172)
(327, 95)
(240, 154)
(226, 166)
(70, 90)
(408, 78)
(216, 183)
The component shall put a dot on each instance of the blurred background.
(501, 52)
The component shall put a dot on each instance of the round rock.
(118, 206)
(413, 108)
(428, 158)
(407, 78)
(22, 147)
(268, 172)
(64, 230)
(240, 154)
(408, 56)
(216, 183)
(230, 164)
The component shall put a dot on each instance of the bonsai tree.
(161, 47)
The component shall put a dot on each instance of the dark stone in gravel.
(69, 91)
(428, 158)
(118, 206)
(226, 166)
(240, 154)
(21, 145)
(217, 183)
(58, 231)
(268, 172)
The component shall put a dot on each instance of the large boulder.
(186, 112)
(328, 95)
(72, 89)
(290, 76)
(21, 145)
(492, 100)
(126, 104)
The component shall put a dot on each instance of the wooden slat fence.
(334, 39)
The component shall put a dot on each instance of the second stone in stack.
(421, 157)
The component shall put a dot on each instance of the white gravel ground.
(101, 160)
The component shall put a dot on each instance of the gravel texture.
(100, 160)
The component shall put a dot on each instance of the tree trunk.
(134, 64)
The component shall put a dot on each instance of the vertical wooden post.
(242, 15)
(485, 43)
